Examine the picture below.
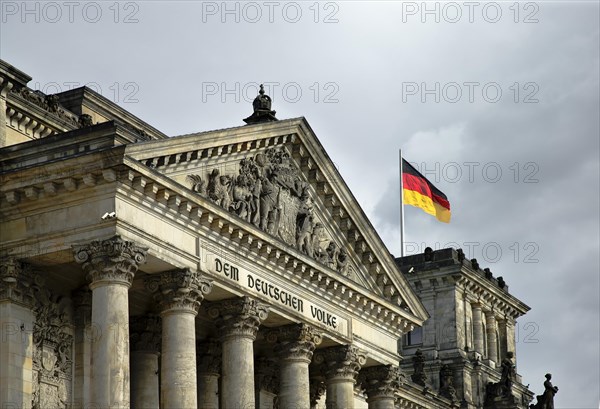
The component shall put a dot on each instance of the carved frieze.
(181, 289)
(238, 317)
(270, 193)
(341, 362)
(113, 259)
(48, 103)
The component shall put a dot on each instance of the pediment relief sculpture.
(269, 193)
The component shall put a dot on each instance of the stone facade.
(222, 269)
(467, 350)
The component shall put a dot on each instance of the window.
(415, 337)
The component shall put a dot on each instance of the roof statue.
(262, 109)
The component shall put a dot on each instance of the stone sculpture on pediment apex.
(269, 192)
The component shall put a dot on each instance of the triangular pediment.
(277, 178)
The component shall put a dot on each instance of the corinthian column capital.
(110, 261)
(342, 361)
(295, 342)
(179, 290)
(380, 381)
(238, 317)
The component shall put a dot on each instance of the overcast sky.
(497, 102)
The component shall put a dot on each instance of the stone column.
(110, 266)
(266, 382)
(295, 347)
(82, 305)
(492, 340)
(342, 364)
(380, 383)
(145, 346)
(178, 294)
(477, 328)
(16, 329)
(209, 370)
(237, 323)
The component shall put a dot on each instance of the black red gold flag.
(420, 192)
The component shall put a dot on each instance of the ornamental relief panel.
(269, 192)
(52, 352)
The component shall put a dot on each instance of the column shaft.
(237, 323)
(477, 328)
(340, 393)
(208, 391)
(178, 294)
(237, 376)
(178, 365)
(492, 339)
(110, 346)
(294, 388)
(144, 380)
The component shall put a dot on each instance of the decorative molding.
(341, 361)
(178, 290)
(238, 317)
(111, 261)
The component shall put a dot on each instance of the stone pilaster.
(178, 294)
(82, 307)
(380, 383)
(145, 338)
(208, 358)
(237, 323)
(295, 346)
(16, 326)
(492, 339)
(110, 266)
(342, 365)
(477, 328)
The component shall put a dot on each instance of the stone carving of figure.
(304, 227)
(198, 184)
(332, 252)
(268, 202)
(446, 383)
(242, 198)
(318, 240)
(508, 374)
(342, 262)
(219, 189)
(546, 401)
(418, 375)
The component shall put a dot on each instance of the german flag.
(419, 192)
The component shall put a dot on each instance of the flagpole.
(401, 207)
